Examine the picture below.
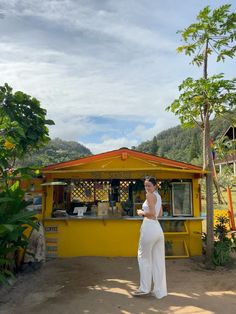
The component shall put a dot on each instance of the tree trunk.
(209, 193)
(208, 165)
(204, 153)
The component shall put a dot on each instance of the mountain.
(55, 151)
(175, 143)
(182, 144)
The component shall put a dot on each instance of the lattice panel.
(84, 191)
(102, 191)
(124, 191)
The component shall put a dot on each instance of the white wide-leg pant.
(151, 258)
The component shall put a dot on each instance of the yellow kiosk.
(89, 204)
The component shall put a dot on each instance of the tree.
(194, 151)
(154, 146)
(213, 32)
(23, 126)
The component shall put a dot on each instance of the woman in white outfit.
(151, 251)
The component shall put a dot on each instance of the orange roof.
(124, 152)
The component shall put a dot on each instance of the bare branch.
(213, 48)
(197, 123)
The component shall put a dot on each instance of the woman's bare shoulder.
(150, 196)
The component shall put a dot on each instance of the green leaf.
(6, 228)
(49, 122)
(215, 28)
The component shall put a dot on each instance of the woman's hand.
(140, 212)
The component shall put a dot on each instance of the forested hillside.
(55, 151)
(175, 143)
(182, 144)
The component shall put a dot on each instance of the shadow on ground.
(100, 285)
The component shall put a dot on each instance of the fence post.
(230, 207)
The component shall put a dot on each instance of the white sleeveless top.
(158, 204)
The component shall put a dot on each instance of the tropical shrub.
(224, 244)
(14, 220)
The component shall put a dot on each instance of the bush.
(224, 244)
(14, 220)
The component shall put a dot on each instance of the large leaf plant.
(14, 220)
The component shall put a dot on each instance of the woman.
(151, 251)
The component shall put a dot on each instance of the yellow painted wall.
(196, 198)
(86, 237)
(48, 201)
(94, 237)
(195, 237)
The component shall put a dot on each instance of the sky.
(105, 70)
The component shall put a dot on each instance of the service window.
(182, 199)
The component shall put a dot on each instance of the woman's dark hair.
(151, 179)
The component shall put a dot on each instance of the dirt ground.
(100, 285)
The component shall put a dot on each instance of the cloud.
(140, 133)
(110, 144)
(104, 70)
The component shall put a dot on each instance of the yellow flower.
(9, 145)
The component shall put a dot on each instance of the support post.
(230, 207)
